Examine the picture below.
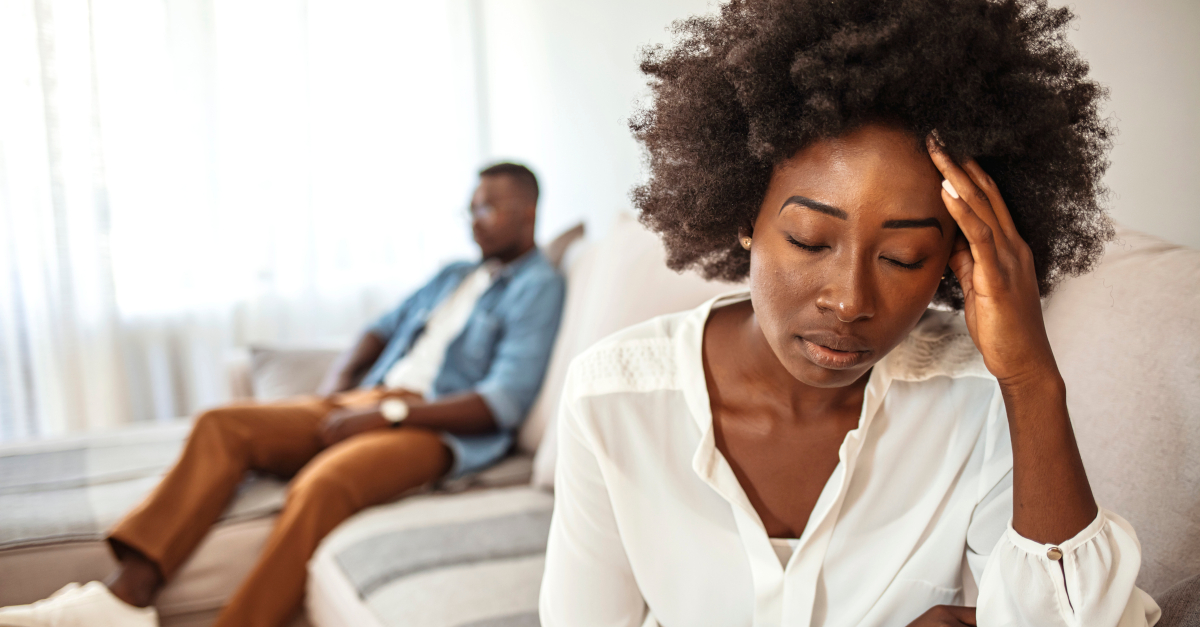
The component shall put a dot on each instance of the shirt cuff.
(505, 410)
(1044, 551)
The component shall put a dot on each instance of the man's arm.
(462, 414)
(523, 353)
(349, 369)
(502, 398)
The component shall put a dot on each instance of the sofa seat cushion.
(1181, 604)
(59, 497)
(436, 560)
(75, 489)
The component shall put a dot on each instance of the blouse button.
(1054, 553)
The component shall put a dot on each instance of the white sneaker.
(90, 605)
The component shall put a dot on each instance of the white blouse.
(651, 527)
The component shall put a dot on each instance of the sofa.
(470, 552)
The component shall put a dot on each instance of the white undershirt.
(417, 369)
(784, 547)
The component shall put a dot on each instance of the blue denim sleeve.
(521, 357)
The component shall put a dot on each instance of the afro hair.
(745, 89)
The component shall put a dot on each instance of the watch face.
(394, 409)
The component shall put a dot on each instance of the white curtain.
(180, 178)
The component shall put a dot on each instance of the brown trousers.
(283, 439)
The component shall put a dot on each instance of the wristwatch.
(394, 410)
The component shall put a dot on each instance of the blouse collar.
(938, 346)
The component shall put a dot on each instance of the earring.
(746, 243)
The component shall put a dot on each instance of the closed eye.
(916, 265)
(811, 249)
(907, 266)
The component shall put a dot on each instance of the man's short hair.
(522, 175)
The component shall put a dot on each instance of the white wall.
(1148, 53)
(562, 79)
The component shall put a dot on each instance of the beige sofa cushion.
(1127, 340)
(192, 599)
(469, 559)
(278, 372)
(619, 281)
(58, 498)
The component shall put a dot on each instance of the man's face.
(501, 215)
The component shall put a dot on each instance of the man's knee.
(216, 420)
(434, 452)
(223, 425)
(350, 472)
(322, 485)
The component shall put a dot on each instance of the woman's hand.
(1052, 499)
(946, 616)
(995, 268)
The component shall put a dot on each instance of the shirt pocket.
(477, 344)
(907, 599)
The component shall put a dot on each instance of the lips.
(833, 351)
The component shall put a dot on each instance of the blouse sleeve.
(1022, 582)
(588, 580)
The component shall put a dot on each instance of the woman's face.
(848, 249)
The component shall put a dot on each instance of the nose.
(849, 292)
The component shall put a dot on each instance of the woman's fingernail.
(937, 139)
(949, 188)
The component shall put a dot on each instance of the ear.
(743, 232)
(529, 213)
(746, 229)
(743, 238)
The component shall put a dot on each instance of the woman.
(822, 449)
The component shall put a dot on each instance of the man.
(435, 388)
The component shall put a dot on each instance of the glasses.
(481, 212)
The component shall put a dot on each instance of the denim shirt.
(501, 353)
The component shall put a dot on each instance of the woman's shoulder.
(637, 358)
(648, 356)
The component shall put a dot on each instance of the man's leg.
(364, 470)
(159, 534)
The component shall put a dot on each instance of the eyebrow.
(821, 207)
(914, 224)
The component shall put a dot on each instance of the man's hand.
(344, 422)
(946, 616)
(349, 368)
